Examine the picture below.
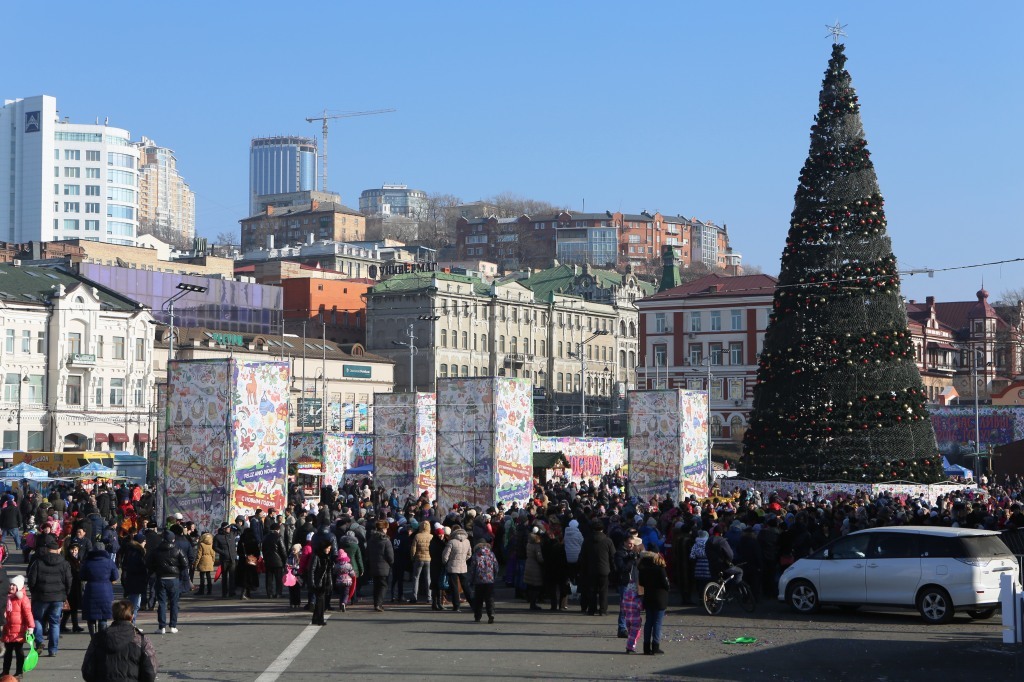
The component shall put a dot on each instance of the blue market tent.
(25, 471)
(360, 471)
(955, 469)
(94, 470)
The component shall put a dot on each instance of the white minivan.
(935, 570)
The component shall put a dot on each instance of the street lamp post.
(583, 377)
(431, 319)
(411, 345)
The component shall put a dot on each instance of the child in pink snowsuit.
(631, 608)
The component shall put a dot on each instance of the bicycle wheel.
(714, 599)
(746, 597)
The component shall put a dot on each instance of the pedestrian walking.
(99, 575)
(49, 581)
(380, 556)
(168, 563)
(206, 557)
(121, 653)
(653, 580)
(17, 624)
(456, 558)
(483, 572)
(321, 575)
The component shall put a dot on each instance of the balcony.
(81, 360)
(516, 360)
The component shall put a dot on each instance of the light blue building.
(280, 165)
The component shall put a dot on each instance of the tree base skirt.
(831, 491)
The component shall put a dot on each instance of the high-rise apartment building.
(65, 180)
(393, 200)
(167, 207)
(280, 165)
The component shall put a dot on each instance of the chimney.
(930, 300)
(310, 238)
(270, 210)
(314, 205)
(270, 241)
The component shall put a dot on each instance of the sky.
(691, 108)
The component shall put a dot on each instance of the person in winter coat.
(166, 563)
(225, 545)
(205, 560)
(120, 653)
(437, 545)
(419, 550)
(534, 575)
(49, 581)
(17, 624)
(380, 556)
(456, 558)
(654, 581)
(748, 553)
(699, 557)
(573, 544)
(349, 543)
(556, 580)
(625, 570)
(99, 574)
(631, 605)
(403, 560)
(74, 598)
(321, 578)
(598, 554)
(294, 567)
(344, 575)
(134, 575)
(485, 568)
(248, 554)
(274, 556)
(10, 522)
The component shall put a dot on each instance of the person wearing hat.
(49, 581)
(17, 624)
(419, 550)
(436, 548)
(624, 574)
(225, 547)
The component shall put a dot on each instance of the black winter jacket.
(380, 555)
(118, 654)
(226, 548)
(167, 560)
(598, 553)
(49, 578)
(274, 554)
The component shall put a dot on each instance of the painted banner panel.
(426, 445)
(197, 447)
(668, 443)
(306, 450)
(589, 458)
(394, 445)
(465, 442)
(954, 427)
(260, 424)
(513, 439)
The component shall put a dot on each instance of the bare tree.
(512, 205)
(437, 223)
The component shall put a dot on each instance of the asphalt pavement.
(229, 641)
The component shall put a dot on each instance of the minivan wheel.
(981, 614)
(802, 597)
(935, 605)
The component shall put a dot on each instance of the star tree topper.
(836, 31)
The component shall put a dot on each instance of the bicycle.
(718, 592)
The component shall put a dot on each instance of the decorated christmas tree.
(838, 395)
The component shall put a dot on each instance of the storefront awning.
(119, 438)
(100, 438)
(141, 437)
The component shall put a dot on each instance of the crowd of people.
(567, 548)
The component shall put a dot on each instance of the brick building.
(313, 222)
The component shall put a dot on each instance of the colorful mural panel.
(465, 442)
(426, 444)
(305, 450)
(589, 458)
(954, 427)
(513, 439)
(693, 442)
(260, 436)
(668, 443)
(394, 445)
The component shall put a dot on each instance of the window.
(696, 353)
(118, 348)
(92, 173)
(716, 426)
(91, 207)
(501, 344)
(483, 342)
(140, 350)
(92, 155)
(40, 342)
(694, 322)
(138, 392)
(465, 344)
(560, 385)
(444, 338)
(715, 351)
(72, 172)
(73, 392)
(35, 392)
(122, 160)
(737, 320)
(659, 323)
(26, 341)
(72, 190)
(99, 346)
(99, 392)
(736, 353)
(72, 155)
(716, 388)
(11, 440)
(455, 339)
(92, 190)
(75, 343)
(12, 385)
(72, 207)
(92, 225)
(117, 392)
(9, 341)
(455, 370)
(660, 355)
(70, 224)
(465, 370)
(736, 428)
(736, 388)
(35, 441)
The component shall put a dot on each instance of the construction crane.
(327, 116)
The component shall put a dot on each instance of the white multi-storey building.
(167, 207)
(76, 364)
(65, 180)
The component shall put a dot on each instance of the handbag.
(252, 559)
(260, 566)
(32, 657)
(289, 578)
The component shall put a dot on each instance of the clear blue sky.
(702, 109)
